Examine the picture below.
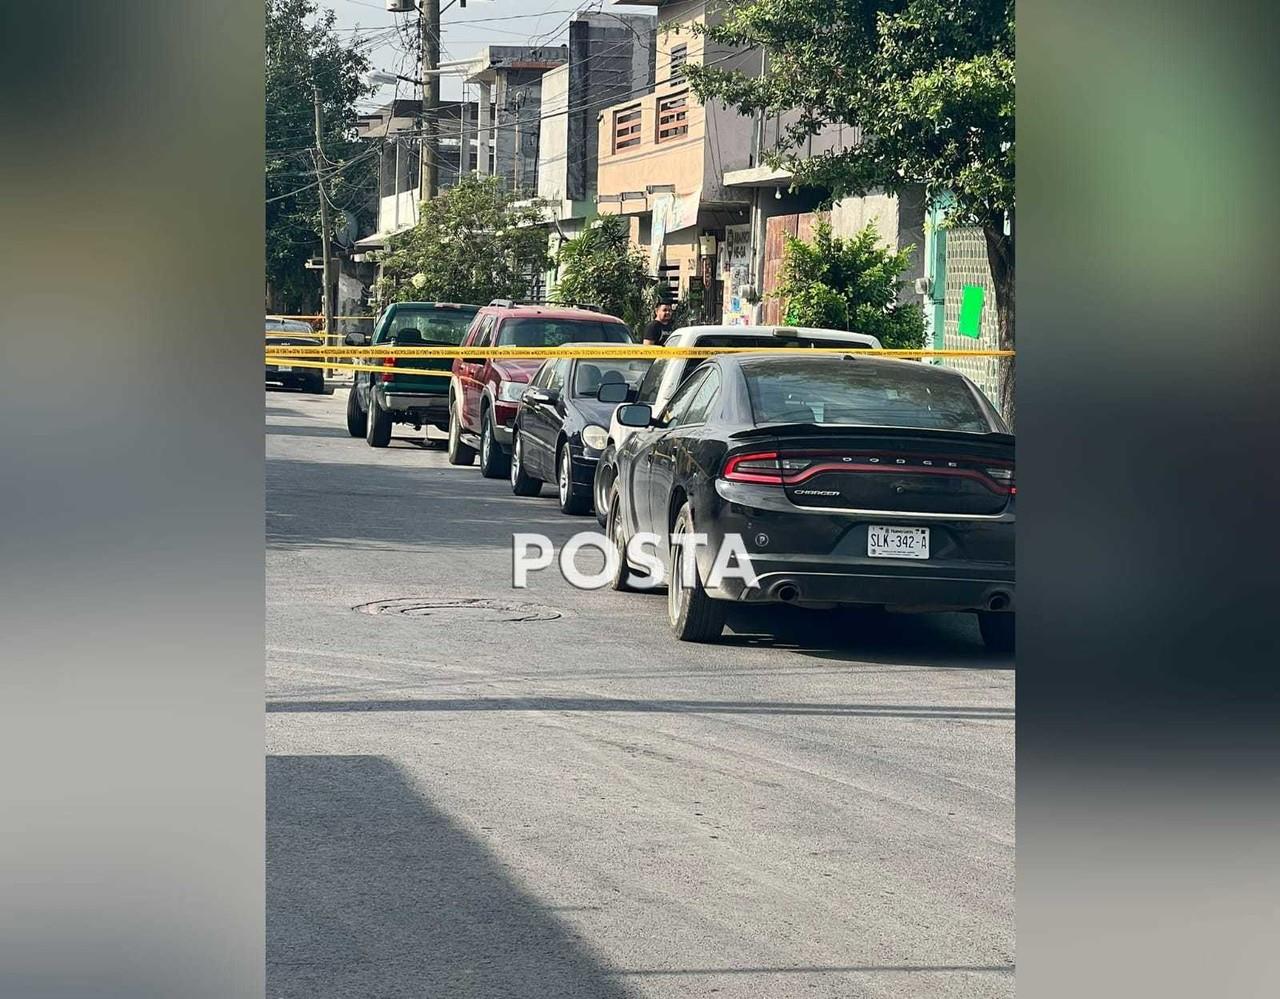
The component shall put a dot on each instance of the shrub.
(865, 278)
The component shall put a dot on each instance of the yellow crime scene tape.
(318, 318)
(297, 356)
(619, 352)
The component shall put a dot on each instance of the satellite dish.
(349, 231)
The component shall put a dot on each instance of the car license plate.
(897, 542)
(283, 367)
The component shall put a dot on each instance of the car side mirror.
(637, 414)
(358, 340)
(541, 396)
(614, 392)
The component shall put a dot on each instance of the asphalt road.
(572, 803)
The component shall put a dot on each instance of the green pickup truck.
(380, 399)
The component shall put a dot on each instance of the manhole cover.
(470, 609)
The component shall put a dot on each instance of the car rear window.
(849, 393)
(592, 374)
(555, 332)
(436, 326)
(289, 326)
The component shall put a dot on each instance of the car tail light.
(796, 467)
(1002, 476)
(387, 362)
(762, 467)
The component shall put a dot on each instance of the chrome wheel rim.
(564, 476)
(674, 589)
(515, 460)
(485, 443)
(620, 546)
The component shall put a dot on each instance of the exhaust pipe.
(998, 601)
(787, 592)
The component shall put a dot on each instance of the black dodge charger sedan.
(846, 479)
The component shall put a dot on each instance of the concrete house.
(663, 158)
(510, 109)
(611, 58)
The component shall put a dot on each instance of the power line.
(597, 103)
(333, 173)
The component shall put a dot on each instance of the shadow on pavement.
(373, 892)
(281, 430)
(865, 635)
(649, 706)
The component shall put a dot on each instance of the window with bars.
(673, 116)
(626, 128)
(669, 282)
(679, 56)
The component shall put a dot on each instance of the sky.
(463, 32)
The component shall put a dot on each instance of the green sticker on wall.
(971, 310)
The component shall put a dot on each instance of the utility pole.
(317, 156)
(428, 173)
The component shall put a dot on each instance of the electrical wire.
(320, 180)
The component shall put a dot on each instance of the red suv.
(484, 394)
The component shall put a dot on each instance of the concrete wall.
(553, 144)
(611, 58)
(729, 146)
(518, 102)
(900, 222)
(966, 264)
(397, 211)
(681, 162)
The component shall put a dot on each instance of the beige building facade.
(663, 157)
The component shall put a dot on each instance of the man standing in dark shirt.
(656, 333)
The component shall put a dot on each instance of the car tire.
(315, 384)
(459, 452)
(522, 483)
(997, 630)
(602, 488)
(574, 500)
(378, 424)
(693, 616)
(355, 415)
(624, 577)
(494, 463)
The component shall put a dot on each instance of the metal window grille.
(679, 57)
(669, 281)
(626, 128)
(673, 117)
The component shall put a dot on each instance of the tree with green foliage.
(599, 266)
(930, 86)
(303, 48)
(850, 284)
(473, 243)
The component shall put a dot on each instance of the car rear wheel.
(574, 500)
(493, 460)
(997, 630)
(602, 488)
(694, 616)
(459, 453)
(355, 415)
(522, 483)
(315, 384)
(378, 425)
